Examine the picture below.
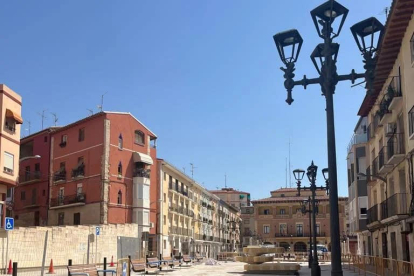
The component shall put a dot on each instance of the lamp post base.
(337, 273)
(310, 261)
(316, 270)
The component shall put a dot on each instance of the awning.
(140, 157)
(14, 115)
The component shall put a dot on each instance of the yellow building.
(390, 114)
(191, 219)
(10, 116)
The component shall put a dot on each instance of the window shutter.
(8, 160)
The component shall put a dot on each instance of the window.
(62, 165)
(79, 189)
(37, 167)
(81, 136)
(318, 229)
(363, 212)
(27, 173)
(34, 196)
(412, 47)
(8, 163)
(283, 229)
(411, 121)
(165, 244)
(61, 218)
(76, 219)
(44, 193)
(298, 210)
(63, 141)
(45, 139)
(10, 124)
(246, 221)
(139, 137)
(266, 212)
(80, 159)
(22, 195)
(120, 168)
(9, 192)
(120, 142)
(299, 230)
(282, 211)
(165, 176)
(266, 229)
(165, 198)
(119, 197)
(165, 220)
(61, 195)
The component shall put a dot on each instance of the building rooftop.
(228, 190)
(400, 15)
(293, 199)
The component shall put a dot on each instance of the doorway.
(36, 218)
(384, 245)
(393, 246)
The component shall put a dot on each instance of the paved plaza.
(224, 269)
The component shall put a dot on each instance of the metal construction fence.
(372, 265)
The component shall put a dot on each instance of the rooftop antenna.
(100, 107)
(55, 118)
(184, 169)
(286, 171)
(192, 170)
(43, 116)
(290, 176)
(225, 180)
(90, 111)
(29, 123)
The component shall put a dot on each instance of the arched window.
(120, 142)
(139, 137)
(120, 168)
(119, 197)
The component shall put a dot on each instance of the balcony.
(265, 216)
(304, 234)
(383, 167)
(142, 173)
(395, 208)
(29, 177)
(394, 93)
(370, 132)
(357, 139)
(373, 219)
(282, 216)
(68, 201)
(395, 149)
(79, 171)
(59, 176)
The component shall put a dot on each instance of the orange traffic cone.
(10, 269)
(112, 262)
(51, 268)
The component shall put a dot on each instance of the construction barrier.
(363, 265)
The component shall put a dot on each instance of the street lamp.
(311, 174)
(323, 18)
(304, 211)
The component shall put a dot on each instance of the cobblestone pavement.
(225, 268)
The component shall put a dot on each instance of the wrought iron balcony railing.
(397, 204)
(372, 214)
(142, 173)
(66, 200)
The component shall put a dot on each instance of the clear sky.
(203, 75)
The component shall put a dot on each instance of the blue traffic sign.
(9, 223)
(124, 269)
(98, 230)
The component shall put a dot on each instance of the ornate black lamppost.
(311, 174)
(304, 211)
(367, 35)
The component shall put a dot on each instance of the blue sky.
(203, 75)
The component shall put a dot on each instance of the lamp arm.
(305, 81)
(352, 77)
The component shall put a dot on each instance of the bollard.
(69, 264)
(14, 269)
(104, 266)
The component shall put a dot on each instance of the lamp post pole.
(326, 54)
(309, 211)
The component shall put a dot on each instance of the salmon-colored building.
(279, 219)
(101, 172)
(31, 196)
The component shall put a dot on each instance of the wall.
(68, 242)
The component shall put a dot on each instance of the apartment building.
(235, 198)
(390, 118)
(279, 219)
(229, 227)
(247, 229)
(357, 187)
(191, 219)
(32, 192)
(10, 116)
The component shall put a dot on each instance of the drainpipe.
(161, 212)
